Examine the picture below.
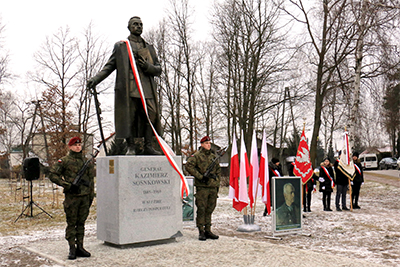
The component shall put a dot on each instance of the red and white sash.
(329, 176)
(168, 152)
(276, 172)
(357, 168)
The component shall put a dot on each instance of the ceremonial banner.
(264, 175)
(302, 166)
(168, 152)
(234, 178)
(253, 181)
(346, 165)
(244, 173)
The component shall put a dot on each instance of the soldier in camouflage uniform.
(206, 187)
(78, 198)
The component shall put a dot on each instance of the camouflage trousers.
(76, 212)
(206, 201)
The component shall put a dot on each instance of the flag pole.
(302, 199)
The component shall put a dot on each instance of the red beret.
(74, 140)
(205, 139)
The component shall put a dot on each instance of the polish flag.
(264, 174)
(244, 173)
(253, 181)
(234, 175)
(234, 178)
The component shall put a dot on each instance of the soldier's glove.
(74, 189)
(321, 180)
(204, 179)
(212, 176)
(323, 188)
(351, 182)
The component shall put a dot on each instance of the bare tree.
(207, 88)
(375, 19)
(331, 39)
(4, 57)
(251, 58)
(92, 56)
(169, 85)
(180, 21)
(57, 72)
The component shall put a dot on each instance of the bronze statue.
(129, 115)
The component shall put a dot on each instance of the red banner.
(302, 165)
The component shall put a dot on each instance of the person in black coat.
(357, 181)
(307, 189)
(274, 170)
(326, 183)
(342, 183)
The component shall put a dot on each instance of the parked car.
(369, 161)
(388, 163)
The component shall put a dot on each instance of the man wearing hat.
(206, 187)
(78, 198)
(357, 181)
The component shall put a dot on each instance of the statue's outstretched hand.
(91, 83)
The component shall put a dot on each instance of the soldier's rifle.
(207, 174)
(78, 179)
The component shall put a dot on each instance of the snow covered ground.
(366, 237)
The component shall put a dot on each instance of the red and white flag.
(302, 166)
(253, 181)
(264, 174)
(244, 173)
(346, 165)
(234, 176)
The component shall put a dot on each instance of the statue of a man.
(129, 115)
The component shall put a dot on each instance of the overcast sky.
(28, 22)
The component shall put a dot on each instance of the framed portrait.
(287, 204)
(188, 201)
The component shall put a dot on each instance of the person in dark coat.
(357, 181)
(307, 189)
(130, 119)
(326, 183)
(274, 169)
(342, 183)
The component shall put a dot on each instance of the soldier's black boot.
(210, 235)
(72, 252)
(202, 236)
(81, 252)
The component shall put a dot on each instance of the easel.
(30, 205)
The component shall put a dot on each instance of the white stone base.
(138, 199)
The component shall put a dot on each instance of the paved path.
(188, 251)
(390, 177)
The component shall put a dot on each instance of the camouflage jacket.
(65, 170)
(197, 165)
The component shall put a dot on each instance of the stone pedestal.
(138, 199)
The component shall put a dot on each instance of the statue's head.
(135, 25)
